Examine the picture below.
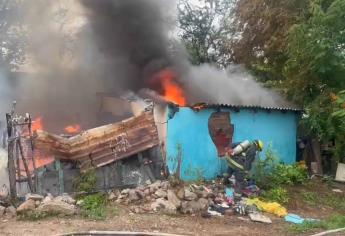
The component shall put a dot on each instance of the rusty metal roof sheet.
(282, 108)
(103, 145)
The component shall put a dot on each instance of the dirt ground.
(125, 221)
(182, 224)
(186, 225)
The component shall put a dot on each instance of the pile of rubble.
(6, 209)
(161, 197)
(38, 205)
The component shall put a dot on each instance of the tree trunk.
(316, 147)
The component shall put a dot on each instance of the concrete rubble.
(36, 204)
(160, 196)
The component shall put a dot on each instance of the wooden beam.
(28, 175)
(12, 169)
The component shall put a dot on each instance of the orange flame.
(37, 124)
(72, 129)
(171, 89)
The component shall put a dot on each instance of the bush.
(85, 182)
(93, 206)
(278, 194)
(288, 174)
(270, 174)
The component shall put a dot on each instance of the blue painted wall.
(188, 137)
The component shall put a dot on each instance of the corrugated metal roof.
(103, 145)
(287, 108)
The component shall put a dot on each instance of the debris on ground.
(337, 190)
(258, 217)
(269, 207)
(36, 204)
(296, 219)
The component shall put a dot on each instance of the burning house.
(131, 138)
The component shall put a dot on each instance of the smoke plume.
(132, 39)
(235, 86)
(77, 49)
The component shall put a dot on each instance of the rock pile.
(161, 197)
(37, 204)
(6, 209)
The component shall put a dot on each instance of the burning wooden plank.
(103, 145)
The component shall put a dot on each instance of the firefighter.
(240, 160)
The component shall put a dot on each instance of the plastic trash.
(212, 212)
(296, 219)
(229, 193)
(270, 207)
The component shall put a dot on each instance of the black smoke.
(131, 36)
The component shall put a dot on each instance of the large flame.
(73, 129)
(172, 91)
(37, 124)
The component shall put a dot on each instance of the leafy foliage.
(260, 35)
(204, 31)
(94, 206)
(270, 174)
(277, 194)
(85, 182)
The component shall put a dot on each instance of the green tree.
(204, 31)
(260, 31)
(316, 66)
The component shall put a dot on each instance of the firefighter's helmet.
(259, 144)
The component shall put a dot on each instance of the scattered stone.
(33, 196)
(191, 207)
(28, 205)
(3, 203)
(180, 193)
(65, 198)
(135, 209)
(160, 193)
(79, 202)
(147, 191)
(148, 198)
(165, 185)
(2, 210)
(57, 207)
(155, 186)
(133, 196)
(337, 190)
(163, 205)
(189, 196)
(48, 198)
(125, 191)
(10, 211)
(173, 199)
(257, 217)
(140, 193)
(111, 196)
(203, 203)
